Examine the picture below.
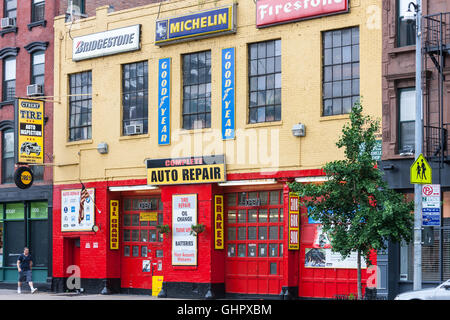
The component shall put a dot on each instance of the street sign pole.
(417, 285)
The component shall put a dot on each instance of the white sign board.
(70, 209)
(431, 205)
(184, 215)
(106, 43)
(326, 258)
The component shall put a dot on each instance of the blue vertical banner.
(164, 102)
(228, 94)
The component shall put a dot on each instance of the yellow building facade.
(263, 155)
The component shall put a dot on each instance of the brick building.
(153, 129)
(398, 129)
(27, 53)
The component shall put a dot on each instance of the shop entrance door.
(141, 244)
(254, 242)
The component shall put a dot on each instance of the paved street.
(8, 294)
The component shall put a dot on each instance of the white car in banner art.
(441, 292)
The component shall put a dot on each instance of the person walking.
(24, 266)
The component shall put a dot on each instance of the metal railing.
(436, 30)
(436, 141)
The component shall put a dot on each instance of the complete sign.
(186, 170)
(29, 131)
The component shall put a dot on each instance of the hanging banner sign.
(106, 43)
(29, 116)
(272, 12)
(228, 94)
(294, 222)
(210, 169)
(164, 102)
(202, 24)
(184, 244)
(114, 225)
(218, 222)
(70, 209)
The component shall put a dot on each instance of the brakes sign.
(270, 12)
(30, 131)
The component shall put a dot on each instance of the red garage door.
(141, 243)
(254, 242)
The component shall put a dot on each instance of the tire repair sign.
(294, 221)
(29, 134)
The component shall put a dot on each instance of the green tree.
(355, 206)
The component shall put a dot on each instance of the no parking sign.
(431, 205)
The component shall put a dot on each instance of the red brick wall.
(23, 37)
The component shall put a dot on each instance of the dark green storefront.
(25, 220)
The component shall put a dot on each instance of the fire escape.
(436, 47)
(436, 50)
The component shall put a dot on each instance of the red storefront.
(255, 259)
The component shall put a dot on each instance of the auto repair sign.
(106, 43)
(271, 12)
(29, 131)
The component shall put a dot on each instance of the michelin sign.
(202, 24)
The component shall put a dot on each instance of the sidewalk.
(8, 294)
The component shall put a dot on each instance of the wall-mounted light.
(102, 148)
(298, 130)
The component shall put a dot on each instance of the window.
(435, 256)
(38, 67)
(79, 6)
(37, 10)
(135, 98)
(340, 71)
(406, 30)
(265, 81)
(407, 107)
(255, 224)
(9, 78)
(8, 156)
(10, 7)
(80, 105)
(197, 90)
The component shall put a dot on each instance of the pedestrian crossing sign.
(420, 172)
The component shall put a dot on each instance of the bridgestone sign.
(106, 43)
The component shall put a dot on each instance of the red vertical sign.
(294, 222)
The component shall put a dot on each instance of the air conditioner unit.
(134, 129)
(8, 23)
(35, 90)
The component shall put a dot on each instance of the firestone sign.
(271, 12)
(106, 43)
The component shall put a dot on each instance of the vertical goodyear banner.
(294, 222)
(228, 95)
(218, 222)
(114, 225)
(164, 102)
(29, 131)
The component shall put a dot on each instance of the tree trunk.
(359, 275)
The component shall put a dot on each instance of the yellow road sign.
(420, 172)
